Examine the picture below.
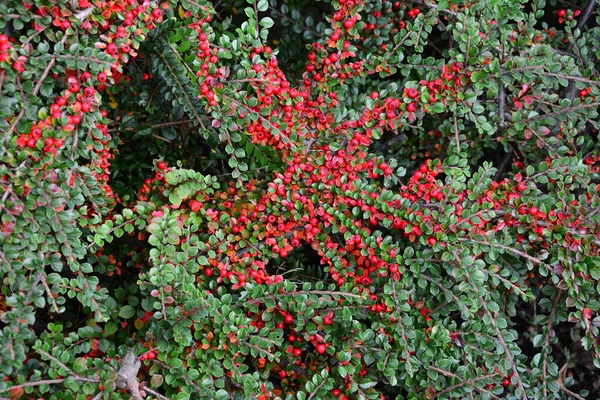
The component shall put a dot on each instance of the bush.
(305, 200)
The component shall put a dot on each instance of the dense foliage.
(295, 199)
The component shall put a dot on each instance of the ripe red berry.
(162, 165)
(506, 382)
(156, 13)
(297, 352)
(19, 66)
(533, 211)
(348, 24)
(288, 319)
(412, 93)
(321, 348)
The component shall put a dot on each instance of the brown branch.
(49, 293)
(127, 376)
(570, 393)
(547, 341)
(510, 249)
(470, 382)
(561, 112)
(501, 101)
(431, 6)
(321, 292)
(314, 392)
(187, 99)
(69, 371)
(585, 16)
(499, 336)
(36, 383)
(76, 377)
(154, 393)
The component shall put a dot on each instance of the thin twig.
(510, 249)
(501, 101)
(431, 6)
(69, 371)
(155, 393)
(570, 393)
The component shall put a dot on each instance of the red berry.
(162, 165)
(533, 211)
(288, 319)
(348, 24)
(412, 93)
(321, 348)
(297, 352)
(19, 66)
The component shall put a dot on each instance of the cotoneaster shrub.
(295, 199)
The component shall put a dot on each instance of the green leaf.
(262, 5)
(126, 312)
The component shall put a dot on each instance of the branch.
(155, 126)
(75, 377)
(501, 101)
(69, 371)
(35, 91)
(155, 393)
(127, 377)
(535, 260)
(587, 13)
(431, 6)
(470, 382)
(197, 116)
(83, 14)
(570, 393)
